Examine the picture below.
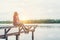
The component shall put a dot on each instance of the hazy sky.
(30, 9)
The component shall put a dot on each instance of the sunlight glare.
(23, 18)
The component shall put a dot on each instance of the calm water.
(42, 32)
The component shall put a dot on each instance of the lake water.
(42, 32)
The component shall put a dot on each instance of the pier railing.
(17, 34)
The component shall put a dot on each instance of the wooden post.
(32, 35)
(5, 35)
(17, 37)
(19, 30)
(6, 38)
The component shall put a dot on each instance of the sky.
(30, 9)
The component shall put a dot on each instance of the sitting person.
(18, 23)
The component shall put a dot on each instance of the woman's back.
(16, 19)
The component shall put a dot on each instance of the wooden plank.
(5, 27)
(3, 36)
(15, 33)
(8, 30)
(9, 34)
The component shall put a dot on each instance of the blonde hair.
(15, 14)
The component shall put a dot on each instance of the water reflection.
(47, 34)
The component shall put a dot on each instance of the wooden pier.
(17, 34)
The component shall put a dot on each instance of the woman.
(15, 19)
(17, 22)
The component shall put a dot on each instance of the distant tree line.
(34, 21)
(43, 21)
(5, 22)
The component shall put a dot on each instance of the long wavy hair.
(15, 18)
